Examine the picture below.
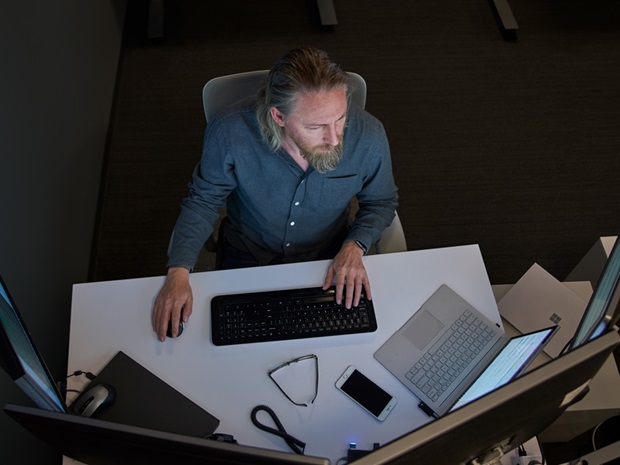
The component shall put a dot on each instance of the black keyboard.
(288, 314)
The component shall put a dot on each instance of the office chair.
(220, 92)
(392, 238)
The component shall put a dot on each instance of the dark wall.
(59, 66)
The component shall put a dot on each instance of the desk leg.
(327, 12)
(505, 18)
(155, 29)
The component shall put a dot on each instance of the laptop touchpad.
(423, 329)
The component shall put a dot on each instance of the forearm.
(190, 233)
(371, 219)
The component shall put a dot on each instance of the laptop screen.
(21, 359)
(510, 362)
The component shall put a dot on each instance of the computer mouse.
(169, 332)
(93, 400)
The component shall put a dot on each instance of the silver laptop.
(442, 350)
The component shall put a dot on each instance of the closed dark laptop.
(143, 399)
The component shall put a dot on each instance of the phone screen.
(366, 393)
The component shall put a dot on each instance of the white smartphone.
(366, 393)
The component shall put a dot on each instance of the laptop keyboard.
(286, 314)
(444, 362)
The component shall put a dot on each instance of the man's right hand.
(173, 303)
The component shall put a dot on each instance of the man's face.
(316, 128)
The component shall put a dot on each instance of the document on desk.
(442, 350)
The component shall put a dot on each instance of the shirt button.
(296, 203)
(292, 223)
(288, 245)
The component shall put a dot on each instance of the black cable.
(62, 385)
(295, 444)
(88, 374)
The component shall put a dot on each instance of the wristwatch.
(362, 246)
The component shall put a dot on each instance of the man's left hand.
(348, 269)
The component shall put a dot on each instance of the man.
(287, 162)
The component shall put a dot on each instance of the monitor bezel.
(83, 439)
(609, 294)
(10, 362)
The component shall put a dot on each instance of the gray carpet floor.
(512, 145)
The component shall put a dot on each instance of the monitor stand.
(492, 457)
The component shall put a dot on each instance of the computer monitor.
(603, 309)
(20, 358)
(99, 442)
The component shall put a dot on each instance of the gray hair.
(300, 71)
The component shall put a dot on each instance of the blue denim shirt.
(274, 208)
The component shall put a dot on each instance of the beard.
(323, 158)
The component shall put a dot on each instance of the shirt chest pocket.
(336, 192)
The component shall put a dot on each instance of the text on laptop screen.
(506, 365)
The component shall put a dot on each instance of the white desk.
(229, 381)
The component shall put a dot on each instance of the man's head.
(304, 103)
